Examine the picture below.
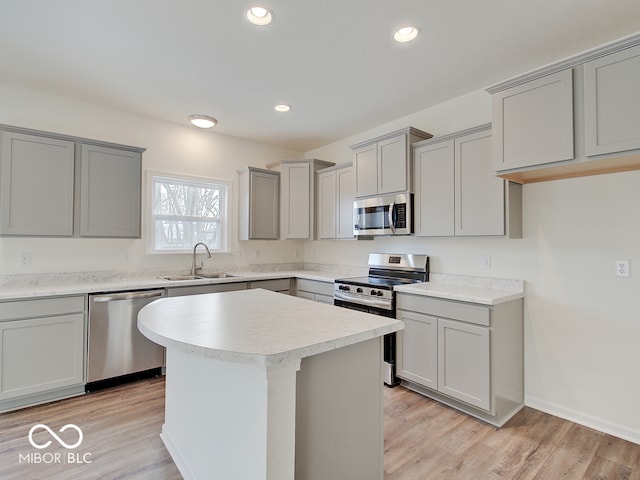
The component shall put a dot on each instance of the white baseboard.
(620, 431)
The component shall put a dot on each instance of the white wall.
(582, 324)
(170, 148)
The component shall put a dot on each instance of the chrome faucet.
(193, 261)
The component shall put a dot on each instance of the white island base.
(313, 411)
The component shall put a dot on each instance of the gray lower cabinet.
(36, 189)
(42, 345)
(465, 355)
(280, 285)
(314, 290)
(110, 190)
(200, 289)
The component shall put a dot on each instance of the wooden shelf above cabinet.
(574, 170)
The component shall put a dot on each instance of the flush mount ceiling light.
(259, 16)
(202, 121)
(405, 34)
(282, 108)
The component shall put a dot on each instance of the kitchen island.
(262, 385)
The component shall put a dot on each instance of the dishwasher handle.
(127, 296)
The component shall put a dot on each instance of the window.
(186, 211)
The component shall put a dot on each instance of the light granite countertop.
(87, 283)
(258, 326)
(481, 290)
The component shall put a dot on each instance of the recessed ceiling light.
(282, 108)
(259, 16)
(405, 34)
(202, 121)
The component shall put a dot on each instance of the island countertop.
(257, 326)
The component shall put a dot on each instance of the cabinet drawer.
(465, 312)
(314, 286)
(41, 307)
(278, 285)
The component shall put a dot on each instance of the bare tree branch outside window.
(187, 212)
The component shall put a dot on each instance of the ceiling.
(333, 61)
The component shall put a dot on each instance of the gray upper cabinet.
(572, 118)
(434, 188)
(479, 194)
(365, 164)
(383, 165)
(335, 202)
(612, 102)
(58, 185)
(110, 181)
(36, 189)
(297, 197)
(533, 122)
(456, 191)
(259, 204)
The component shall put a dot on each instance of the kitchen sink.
(214, 275)
(175, 278)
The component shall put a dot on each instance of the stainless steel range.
(374, 293)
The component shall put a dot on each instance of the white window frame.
(225, 210)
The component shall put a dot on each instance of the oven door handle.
(369, 302)
(391, 222)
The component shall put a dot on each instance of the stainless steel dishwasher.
(116, 346)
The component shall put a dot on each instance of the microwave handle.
(391, 222)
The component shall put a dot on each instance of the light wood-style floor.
(424, 440)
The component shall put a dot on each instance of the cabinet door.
(533, 122)
(392, 165)
(344, 210)
(365, 164)
(464, 362)
(434, 190)
(264, 205)
(418, 349)
(109, 192)
(37, 178)
(41, 354)
(612, 102)
(479, 194)
(327, 208)
(296, 201)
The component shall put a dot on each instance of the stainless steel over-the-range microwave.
(383, 215)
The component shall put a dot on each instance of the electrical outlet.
(622, 268)
(24, 259)
(485, 261)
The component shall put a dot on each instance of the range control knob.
(358, 290)
(344, 287)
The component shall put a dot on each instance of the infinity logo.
(60, 441)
